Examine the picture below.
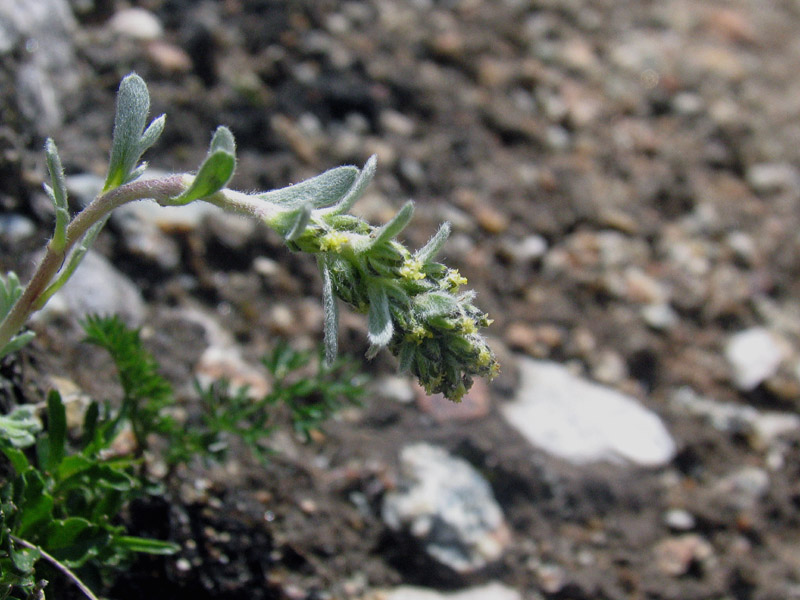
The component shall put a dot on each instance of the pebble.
(676, 555)
(584, 422)
(754, 355)
(15, 228)
(743, 488)
(97, 288)
(525, 250)
(137, 24)
(679, 519)
(766, 178)
(396, 388)
(47, 72)
(762, 428)
(444, 502)
(490, 591)
(226, 362)
(660, 315)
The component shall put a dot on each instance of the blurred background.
(623, 182)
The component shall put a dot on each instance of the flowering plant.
(413, 304)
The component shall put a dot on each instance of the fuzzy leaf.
(429, 251)
(130, 139)
(10, 291)
(393, 227)
(331, 312)
(356, 190)
(299, 222)
(152, 133)
(16, 343)
(57, 190)
(379, 319)
(435, 304)
(322, 190)
(216, 170)
(20, 426)
(133, 104)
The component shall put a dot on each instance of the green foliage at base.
(61, 501)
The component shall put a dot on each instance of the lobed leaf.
(216, 170)
(130, 139)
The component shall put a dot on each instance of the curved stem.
(160, 190)
(59, 566)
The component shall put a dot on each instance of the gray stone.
(584, 422)
(98, 288)
(47, 72)
(15, 228)
(754, 356)
(446, 504)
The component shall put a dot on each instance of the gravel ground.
(623, 179)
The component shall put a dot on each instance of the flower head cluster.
(414, 305)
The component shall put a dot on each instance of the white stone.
(584, 422)
(97, 288)
(754, 356)
(490, 591)
(137, 23)
(446, 504)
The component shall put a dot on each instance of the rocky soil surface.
(623, 180)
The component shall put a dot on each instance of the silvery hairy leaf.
(379, 319)
(216, 170)
(356, 190)
(322, 190)
(57, 191)
(393, 227)
(130, 139)
(331, 312)
(429, 251)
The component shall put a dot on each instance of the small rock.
(395, 387)
(660, 315)
(766, 178)
(679, 519)
(743, 488)
(169, 58)
(394, 122)
(583, 422)
(675, 556)
(137, 24)
(754, 356)
(446, 504)
(491, 219)
(490, 591)
(529, 248)
(97, 288)
(15, 228)
(226, 362)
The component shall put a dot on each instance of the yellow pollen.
(455, 278)
(412, 269)
(333, 241)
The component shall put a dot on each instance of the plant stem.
(160, 190)
(58, 565)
